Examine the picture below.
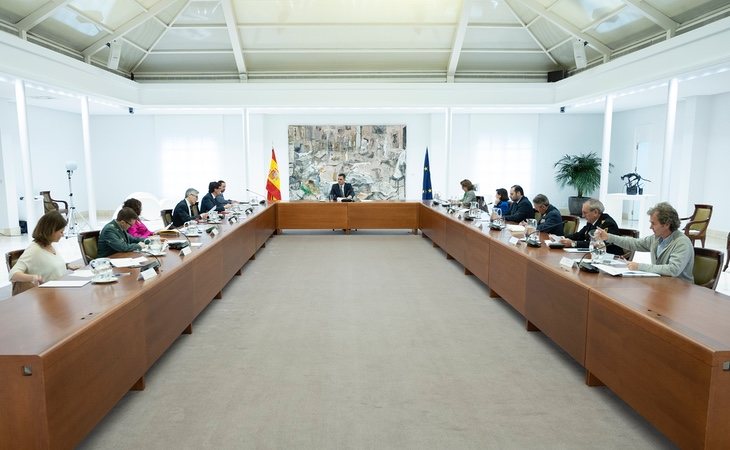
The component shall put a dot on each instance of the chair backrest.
(707, 268)
(628, 254)
(727, 253)
(166, 215)
(11, 258)
(89, 244)
(48, 204)
(699, 220)
(570, 224)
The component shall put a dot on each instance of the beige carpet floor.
(367, 341)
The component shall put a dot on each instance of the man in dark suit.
(520, 209)
(209, 200)
(592, 211)
(187, 209)
(341, 189)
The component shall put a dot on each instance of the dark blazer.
(180, 214)
(209, 202)
(551, 221)
(519, 211)
(336, 193)
(113, 239)
(582, 240)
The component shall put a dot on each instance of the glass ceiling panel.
(679, 9)
(347, 62)
(70, 28)
(624, 28)
(202, 13)
(146, 34)
(195, 39)
(491, 12)
(486, 38)
(351, 11)
(501, 62)
(330, 36)
(582, 13)
(110, 13)
(16, 10)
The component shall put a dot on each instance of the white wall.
(716, 177)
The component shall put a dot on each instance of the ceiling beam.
(654, 15)
(564, 24)
(458, 40)
(127, 27)
(40, 14)
(232, 26)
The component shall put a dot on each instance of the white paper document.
(576, 250)
(83, 273)
(128, 262)
(623, 271)
(65, 283)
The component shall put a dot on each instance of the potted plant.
(583, 172)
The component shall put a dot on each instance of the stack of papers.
(623, 271)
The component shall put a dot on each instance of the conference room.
(377, 336)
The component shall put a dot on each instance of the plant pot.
(575, 205)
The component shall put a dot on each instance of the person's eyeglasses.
(127, 223)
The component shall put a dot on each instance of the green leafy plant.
(583, 172)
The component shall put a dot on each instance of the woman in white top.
(40, 262)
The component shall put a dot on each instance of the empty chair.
(11, 258)
(708, 265)
(51, 204)
(166, 215)
(89, 243)
(570, 224)
(699, 221)
(628, 254)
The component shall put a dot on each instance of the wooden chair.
(707, 268)
(699, 221)
(570, 224)
(89, 244)
(11, 258)
(727, 253)
(628, 254)
(166, 215)
(51, 204)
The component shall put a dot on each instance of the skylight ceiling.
(403, 40)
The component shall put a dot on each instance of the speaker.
(115, 53)
(579, 52)
(555, 75)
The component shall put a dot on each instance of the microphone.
(262, 202)
(586, 266)
(180, 245)
(154, 265)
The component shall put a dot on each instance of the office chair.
(628, 254)
(88, 243)
(51, 204)
(11, 258)
(707, 268)
(699, 221)
(166, 215)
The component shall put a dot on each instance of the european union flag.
(427, 191)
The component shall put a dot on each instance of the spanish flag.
(272, 182)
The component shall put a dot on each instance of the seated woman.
(138, 229)
(40, 262)
(469, 194)
(501, 201)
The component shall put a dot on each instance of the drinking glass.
(102, 268)
(155, 244)
(530, 226)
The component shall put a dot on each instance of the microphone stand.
(262, 202)
(71, 226)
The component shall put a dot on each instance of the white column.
(606, 149)
(447, 145)
(24, 138)
(664, 193)
(246, 117)
(91, 194)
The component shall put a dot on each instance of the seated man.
(592, 211)
(114, 237)
(341, 189)
(551, 220)
(187, 209)
(209, 200)
(521, 208)
(671, 250)
(221, 200)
